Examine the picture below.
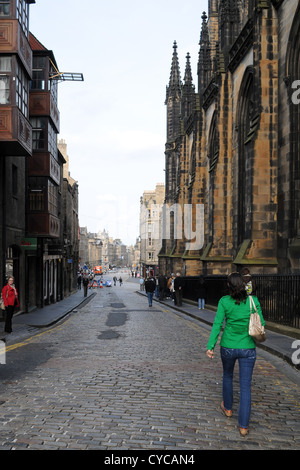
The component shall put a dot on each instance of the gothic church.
(233, 146)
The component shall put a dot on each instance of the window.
(38, 74)
(23, 15)
(53, 84)
(293, 74)
(5, 66)
(52, 198)
(38, 82)
(38, 133)
(36, 200)
(22, 86)
(4, 89)
(245, 157)
(52, 141)
(5, 8)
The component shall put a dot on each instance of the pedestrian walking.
(91, 278)
(120, 281)
(79, 281)
(150, 285)
(201, 293)
(156, 287)
(85, 283)
(178, 289)
(142, 284)
(236, 344)
(10, 299)
(115, 280)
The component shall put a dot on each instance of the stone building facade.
(70, 224)
(233, 146)
(151, 205)
(99, 249)
(33, 217)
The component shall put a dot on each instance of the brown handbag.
(256, 329)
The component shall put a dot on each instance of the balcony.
(43, 164)
(15, 132)
(14, 41)
(41, 103)
(43, 225)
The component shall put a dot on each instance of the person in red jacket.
(10, 299)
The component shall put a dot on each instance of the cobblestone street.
(118, 375)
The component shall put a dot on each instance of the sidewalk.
(50, 314)
(279, 344)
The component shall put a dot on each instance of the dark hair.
(245, 271)
(237, 287)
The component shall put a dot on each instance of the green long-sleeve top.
(235, 334)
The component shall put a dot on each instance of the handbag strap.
(252, 304)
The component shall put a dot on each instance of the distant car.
(108, 283)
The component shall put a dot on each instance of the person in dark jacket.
(201, 293)
(85, 283)
(150, 285)
(162, 285)
(79, 280)
(10, 299)
(178, 289)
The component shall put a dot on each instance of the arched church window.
(246, 129)
(292, 76)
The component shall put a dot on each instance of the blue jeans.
(150, 297)
(201, 303)
(246, 359)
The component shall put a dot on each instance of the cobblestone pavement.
(118, 375)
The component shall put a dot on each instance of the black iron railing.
(279, 295)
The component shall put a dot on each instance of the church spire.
(174, 88)
(205, 59)
(188, 79)
(173, 98)
(188, 91)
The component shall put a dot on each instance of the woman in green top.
(235, 344)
